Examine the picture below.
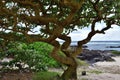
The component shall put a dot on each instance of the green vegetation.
(46, 76)
(116, 52)
(35, 55)
(81, 62)
(84, 79)
(95, 71)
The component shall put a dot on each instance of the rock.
(83, 73)
(93, 56)
(97, 59)
(108, 58)
(113, 47)
(84, 46)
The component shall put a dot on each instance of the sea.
(101, 45)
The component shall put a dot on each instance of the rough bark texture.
(71, 72)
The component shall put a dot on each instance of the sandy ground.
(97, 71)
(102, 71)
(102, 76)
(114, 63)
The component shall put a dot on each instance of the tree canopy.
(54, 18)
(48, 20)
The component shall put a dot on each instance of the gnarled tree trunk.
(71, 72)
(69, 59)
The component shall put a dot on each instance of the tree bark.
(71, 72)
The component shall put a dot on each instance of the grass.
(45, 76)
(81, 62)
(95, 71)
(84, 79)
(116, 52)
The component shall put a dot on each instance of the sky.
(112, 34)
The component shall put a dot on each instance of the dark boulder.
(84, 46)
(95, 55)
(83, 73)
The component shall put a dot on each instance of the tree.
(55, 19)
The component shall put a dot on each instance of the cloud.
(112, 34)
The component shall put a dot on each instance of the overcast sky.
(112, 34)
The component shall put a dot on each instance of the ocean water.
(101, 45)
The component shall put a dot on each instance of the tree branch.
(93, 32)
(75, 7)
(61, 59)
(65, 45)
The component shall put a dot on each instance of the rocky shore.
(93, 56)
(105, 70)
(104, 65)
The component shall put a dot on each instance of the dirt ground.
(16, 75)
(90, 76)
(99, 71)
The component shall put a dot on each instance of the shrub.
(35, 55)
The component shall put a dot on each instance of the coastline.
(100, 69)
(101, 45)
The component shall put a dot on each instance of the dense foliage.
(35, 55)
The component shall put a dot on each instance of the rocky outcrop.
(95, 55)
(113, 47)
